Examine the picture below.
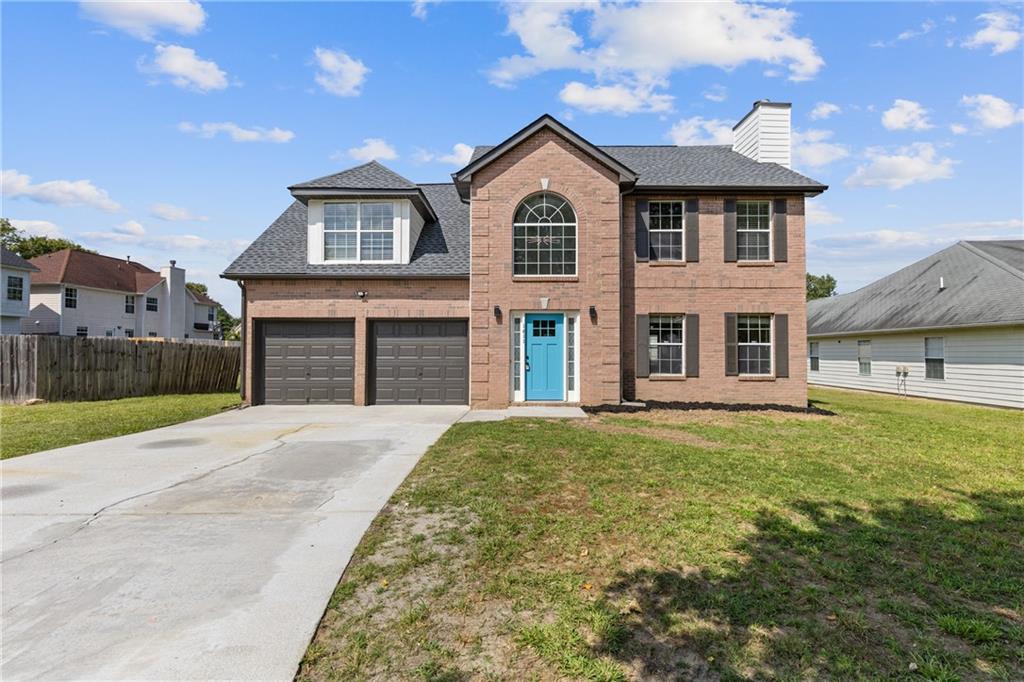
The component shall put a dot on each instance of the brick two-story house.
(550, 270)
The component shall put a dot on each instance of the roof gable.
(368, 176)
(9, 259)
(977, 290)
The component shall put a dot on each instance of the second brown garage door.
(420, 362)
(308, 361)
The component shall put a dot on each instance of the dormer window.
(359, 231)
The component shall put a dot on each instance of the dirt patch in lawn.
(673, 435)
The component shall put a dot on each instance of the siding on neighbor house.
(983, 365)
(44, 310)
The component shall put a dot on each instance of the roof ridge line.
(998, 262)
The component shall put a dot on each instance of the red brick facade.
(609, 278)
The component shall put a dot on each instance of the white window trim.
(934, 357)
(397, 210)
(771, 236)
(681, 344)
(65, 297)
(681, 231)
(771, 343)
(156, 302)
(863, 343)
(519, 396)
(129, 299)
(813, 352)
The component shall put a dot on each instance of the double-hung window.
(666, 230)
(209, 315)
(70, 297)
(152, 304)
(359, 231)
(129, 304)
(15, 288)
(81, 331)
(665, 346)
(754, 344)
(864, 358)
(815, 357)
(934, 358)
(753, 230)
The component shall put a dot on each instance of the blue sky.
(171, 130)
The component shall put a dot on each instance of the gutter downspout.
(243, 337)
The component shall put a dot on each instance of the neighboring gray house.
(15, 277)
(950, 326)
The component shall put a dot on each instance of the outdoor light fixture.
(361, 294)
(497, 312)
(593, 312)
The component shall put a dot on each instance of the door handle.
(527, 363)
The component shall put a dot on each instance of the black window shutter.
(780, 233)
(693, 345)
(643, 226)
(732, 362)
(692, 231)
(730, 231)
(643, 356)
(782, 346)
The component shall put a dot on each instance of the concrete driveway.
(206, 550)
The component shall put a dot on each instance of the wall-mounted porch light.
(593, 313)
(497, 312)
(360, 295)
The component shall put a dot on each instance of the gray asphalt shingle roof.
(698, 166)
(984, 284)
(441, 251)
(12, 260)
(371, 175)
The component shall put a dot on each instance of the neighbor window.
(544, 236)
(129, 333)
(754, 344)
(152, 304)
(666, 230)
(15, 288)
(753, 230)
(815, 358)
(934, 358)
(71, 297)
(82, 331)
(359, 231)
(129, 305)
(209, 315)
(666, 344)
(153, 334)
(109, 332)
(864, 357)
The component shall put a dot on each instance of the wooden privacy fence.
(66, 368)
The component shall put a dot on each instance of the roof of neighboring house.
(983, 282)
(441, 251)
(201, 298)
(69, 266)
(700, 167)
(9, 259)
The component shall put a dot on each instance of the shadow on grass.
(833, 591)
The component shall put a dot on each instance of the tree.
(15, 240)
(820, 286)
(225, 321)
(198, 288)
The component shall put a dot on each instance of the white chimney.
(764, 133)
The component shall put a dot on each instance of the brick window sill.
(545, 278)
(755, 264)
(667, 263)
(754, 377)
(667, 377)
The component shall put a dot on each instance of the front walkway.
(204, 550)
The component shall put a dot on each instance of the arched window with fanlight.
(544, 236)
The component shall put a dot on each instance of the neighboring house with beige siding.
(552, 270)
(950, 326)
(75, 293)
(15, 278)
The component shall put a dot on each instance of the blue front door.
(545, 357)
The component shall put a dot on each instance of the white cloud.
(932, 236)
(698, 130)
(338, 73)
(170, 212)
(143, 20)
(1001, 31)
(991, 111)
(132, 232)
(459, 156)
(625, 49)
(812, 149)
(373, 149)
(419, 8)
(614, 99)
(926, 27)
(817, 214)
(716, 93)
(185, 69)
(919, 162)
(906, 114)
(957, 128)
(823, 110)
(37, 228)
(236, 132)
(58, 192)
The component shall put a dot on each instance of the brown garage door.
(420, 362)
(308, 361)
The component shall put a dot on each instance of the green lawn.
(886, 541)
(31, 428)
